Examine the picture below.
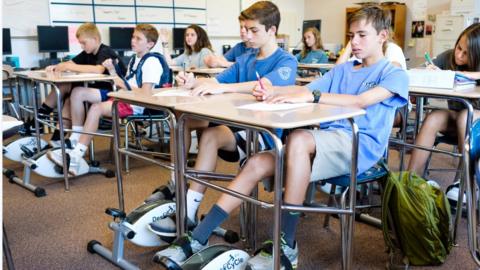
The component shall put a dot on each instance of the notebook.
(445, 79)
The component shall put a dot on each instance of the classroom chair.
(7, 77)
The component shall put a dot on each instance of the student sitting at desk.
(197, 47)
(89, 61)
(274, 65)
(230, 57)
(375, 85)
(465, 59)
(312, 51)
(143, 40)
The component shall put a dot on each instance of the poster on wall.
(418, 29)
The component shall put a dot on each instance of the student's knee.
(260, 165)
(77, 93)
(96, 109)
(435, 120)
(211, 137)
(300, 141)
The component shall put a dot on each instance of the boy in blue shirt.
(311, 155)
(275, 67)
(239, 49)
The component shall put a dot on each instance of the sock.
(45, 109)
(79, 150)
(193, 202)
(75, 136)
(212, 220)
(289, 225)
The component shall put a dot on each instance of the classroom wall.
(333, 16)
(24, 45)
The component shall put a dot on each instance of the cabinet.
(447, 30)
(398, 12)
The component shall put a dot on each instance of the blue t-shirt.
(376, 124)
(237, 50)
(313, 57)
(280, 68)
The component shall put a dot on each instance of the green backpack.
(419, 216)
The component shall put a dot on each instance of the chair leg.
(331, 201)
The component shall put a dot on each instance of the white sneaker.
(263, 260)
(452, 193)
(176, 251)
(57, 143)
(73, 161)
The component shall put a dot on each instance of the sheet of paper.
(174, 93)
(431, 78)
(262, 106)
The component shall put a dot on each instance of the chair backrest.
(7, 72)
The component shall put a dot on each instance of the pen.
(184, 71)
(429, 60)
(462, 76)
(259, 81)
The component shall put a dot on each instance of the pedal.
(115, 213)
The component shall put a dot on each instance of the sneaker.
(167, 226)
(73, 161)
(263, 259)
(179, 251)
(452, 193)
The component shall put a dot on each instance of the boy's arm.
(71, 66)
(145, 89)
(213, 87)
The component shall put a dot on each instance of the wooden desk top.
(225, 108)
(43, 76)
(206, 71)
(469, 93)
(316, 66)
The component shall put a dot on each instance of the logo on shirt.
(369, 85)
(284, 73)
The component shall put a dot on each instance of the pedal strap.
(184, 243)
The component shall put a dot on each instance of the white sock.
(75, 136)
(194, 199)
(79, 150)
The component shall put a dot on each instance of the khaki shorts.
(333, 156)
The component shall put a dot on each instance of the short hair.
(318, 41)
(380, 18)
(150, 32)
(88, 29)
(265, 12)
(472, 34)
(202, 40)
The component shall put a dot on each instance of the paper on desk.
(262, 106)
(174, 93)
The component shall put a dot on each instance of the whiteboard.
(222, 18)
(152, 15)
(161, 3)
(71, 13)
(114, 2)
(114, 14)
(190, 16)
(191, 3)
(16, 12)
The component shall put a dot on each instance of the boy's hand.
(108, 64)
(213, 61)
(207, 88)
(262, 94)
(298, 97)
(50, 68)
(64, 66)
(186, 80)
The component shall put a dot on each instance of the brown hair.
(472, 34)
(202, 40)
(150, 32)
(381, 19)
(318, 41)
(265, 12)
(89, 30)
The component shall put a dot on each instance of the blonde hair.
(88, 30)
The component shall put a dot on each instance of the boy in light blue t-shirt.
(312, 155)
(275, 67)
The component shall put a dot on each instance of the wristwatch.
(316, 96)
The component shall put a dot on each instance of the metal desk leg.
(35, 115)
(62, 136)
(116, 154)
(277, 201)
(180, 183)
